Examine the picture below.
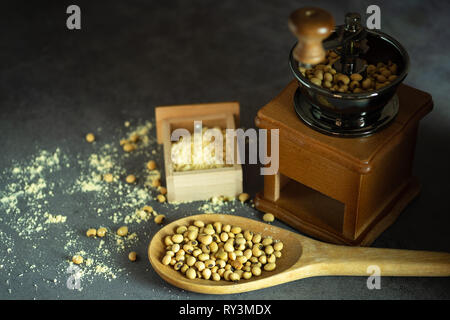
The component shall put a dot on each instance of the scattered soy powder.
(49, 199)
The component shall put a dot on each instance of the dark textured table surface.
(130, 56)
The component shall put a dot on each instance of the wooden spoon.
(302, 257)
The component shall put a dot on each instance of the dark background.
(130, 56)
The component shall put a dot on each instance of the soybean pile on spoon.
(302, 257)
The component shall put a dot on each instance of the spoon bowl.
(302, 257)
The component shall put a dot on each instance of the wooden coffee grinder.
(345, 157)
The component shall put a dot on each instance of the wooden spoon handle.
(354, 261)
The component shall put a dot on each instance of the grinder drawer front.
(318, 173)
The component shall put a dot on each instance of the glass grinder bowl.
(352, 114)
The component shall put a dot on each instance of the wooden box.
(198, 184)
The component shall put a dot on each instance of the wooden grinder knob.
(311, 26)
